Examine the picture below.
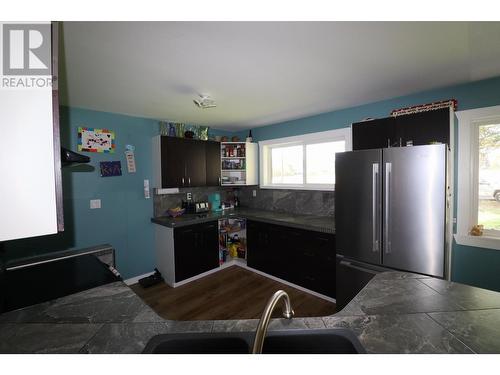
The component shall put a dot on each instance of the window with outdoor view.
(302, 162)
(478, 189)
(488, 210)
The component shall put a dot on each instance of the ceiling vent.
(205, 101)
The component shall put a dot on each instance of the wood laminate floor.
(232, 293)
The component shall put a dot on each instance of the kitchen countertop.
(323, 224)
(395, 313)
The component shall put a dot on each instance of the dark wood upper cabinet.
(195, 163)
(420, 128)
(373, 134)
(213, 164)
(424, 127)
(173, 164)
(189, 162)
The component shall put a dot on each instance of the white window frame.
(343, 134)
(468, 148)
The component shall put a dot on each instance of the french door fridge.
(391, 210)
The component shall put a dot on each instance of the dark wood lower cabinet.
(302, 257)
(196, 250)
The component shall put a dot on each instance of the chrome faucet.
(261, 331)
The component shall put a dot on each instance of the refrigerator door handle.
(375, 239)
(387, 241)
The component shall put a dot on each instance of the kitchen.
(290, 232)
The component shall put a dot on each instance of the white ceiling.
(262, 73)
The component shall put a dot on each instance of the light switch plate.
(95, 203)
(254, 193)
(189, 196)
(146, 189)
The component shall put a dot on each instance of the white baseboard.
(175, 285)
(135, 280)
(302, 289)
(227, 264)
(241, 264)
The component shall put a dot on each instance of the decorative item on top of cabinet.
(238, 163)
(425, 107)
(417, 129)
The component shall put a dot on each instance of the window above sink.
(305, 162)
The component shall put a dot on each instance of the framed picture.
(96, 140)
(111, 168)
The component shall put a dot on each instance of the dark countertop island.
(395, 313)
(325, 224)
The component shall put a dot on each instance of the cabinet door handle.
(182, 181)
(219, 181)
(189, 181)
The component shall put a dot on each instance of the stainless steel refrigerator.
(390, 212)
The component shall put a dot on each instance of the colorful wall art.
(96, 140)
(111, 168)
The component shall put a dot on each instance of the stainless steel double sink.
(309, 341)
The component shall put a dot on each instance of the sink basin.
(334, 341)
(325, 341)
(199, 343)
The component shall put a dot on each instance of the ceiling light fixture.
(205, 101)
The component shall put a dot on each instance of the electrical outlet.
(95, 203)
(254, 193)
(189, 196)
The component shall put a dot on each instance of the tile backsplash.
(312, 202)
(319, 203)
(200, 194)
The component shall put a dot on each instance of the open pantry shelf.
(232, 240)
(238, 163)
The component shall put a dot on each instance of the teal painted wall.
(124, 219)
(470, 265)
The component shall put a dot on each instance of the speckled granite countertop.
(323, 224)
(395, 313)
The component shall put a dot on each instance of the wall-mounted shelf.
(239, 163)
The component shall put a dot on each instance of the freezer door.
(358, 205)
(414, 204)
